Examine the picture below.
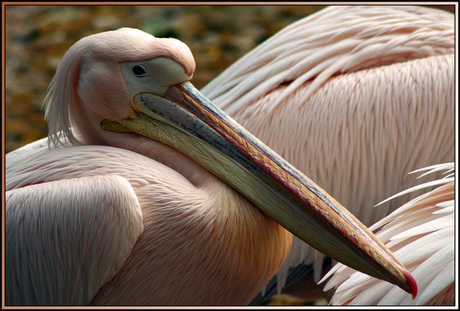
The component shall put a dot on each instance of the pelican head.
(128, 89)
(97, 78)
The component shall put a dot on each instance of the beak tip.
(411, 283)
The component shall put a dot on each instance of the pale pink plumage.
(77, 87)
(421, 234)
(72, 278)
(323, 66)
(207, 212)
(355, 97)
(152, 263)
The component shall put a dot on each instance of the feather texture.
(421, 235)
(346, 95)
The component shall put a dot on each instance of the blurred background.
(37, 36)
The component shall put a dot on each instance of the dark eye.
(138, 70)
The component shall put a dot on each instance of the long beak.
(184, 119)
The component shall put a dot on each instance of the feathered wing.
(347, 95)
(44, 221)
(421, 235)
(330, 42)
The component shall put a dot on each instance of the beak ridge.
(265, 179)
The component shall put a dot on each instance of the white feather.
(422, 239)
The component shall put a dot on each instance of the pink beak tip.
(412, 284)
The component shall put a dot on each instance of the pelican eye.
(138, 70)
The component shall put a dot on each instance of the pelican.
(356, 97)
(145, 193)
(421, 234)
